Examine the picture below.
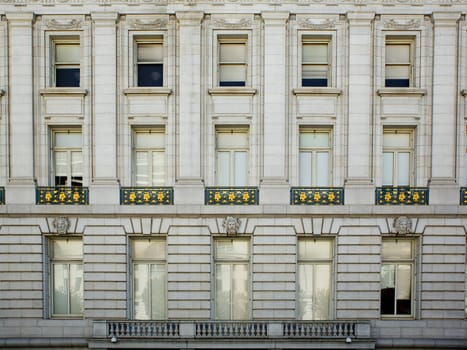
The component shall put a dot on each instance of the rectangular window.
(149, 157)
(399, 61)
(149, 279)
(397, 157)
(232, 296)
(314, 279)
(397, 269)
(315, 157)
(316, 61)
(67, 157)
(232, 146)
(66, 277)
(232, 60)
(150, 62)
(66, 58)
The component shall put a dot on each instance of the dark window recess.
(232, 83)
(315, 82)
(387, 303)
(397, 83)
(67, 77)
(150, 75)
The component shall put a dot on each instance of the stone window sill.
(232, 91)
(401, 92)
(56, 91)
(317, 91)
(147, 91)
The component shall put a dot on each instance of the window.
(232, 279)
(149, 62)
(465, 156)
(316, 64)
(397, 157)
(66, 277)
(399, 61)
(315, 157)
(314, 279)
(149, 157)
(397, 270)
(232, 157)
(67, 56)
(67, 157)
(232, 60)
(149, 279)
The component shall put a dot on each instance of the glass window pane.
(398, 53)
(68, 139)
(232, 249)
(388, 284)
(241, 166)
(315, 53)
(158, 291)
(150, 52)
(305, 168)
(148, 249)
(314, 249)
(305, 292)
(60, 289)
(388, 167)
(322, 291)
(397, 140)
(232, 140)
(322, 169)
(142, 310)
(232, 53)
(223, 288)
(61, 164)
(396, 249)
(223, 168)
(158, 168)
(150, 74)
(397, 72)
(240, 311)
(76, 288)
(153, 139)
(67, 77)
(67, 249)
(142, 169)
(314, 72)
(404, 289)
(314, 139)
(76, 164)
(232, 73)
(67, 53)
(403, 169)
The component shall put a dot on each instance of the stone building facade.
(226, 174)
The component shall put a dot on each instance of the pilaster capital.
(190, 18)
(275, 18)
(360, 18)
(446, 18)
(20, 17)
(104, 18)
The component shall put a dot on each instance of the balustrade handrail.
(143, 329)
(237, 329)
(319, 329)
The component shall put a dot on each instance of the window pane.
(223, 288)
(158, 291)
(314, 72)
(148, 249)
(158, 168)
(60, 289)
(322, 291)
(76, 288)
(397, 140)
(397, 53)
(150, 74)
(403, 169)
(61, 164)
(68, 139)
(388, 165)
(153, 139)
(232, 140)
(223, 168)
(142, 169)
(315, 53)
(397, 72)
(141, 295)
(240, 300)
(314, 249)
(396, 249)
(67, 77)
(76, 164)
(232, 249)
(232, 75)
(150, 53)
(232, 53)
(388, 284)
(305, 168)
(67, 53)
(305, 292)
(240, 169)
(314, 139)
(67, 249)
(322, 169)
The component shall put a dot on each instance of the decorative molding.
(402, 225)
(232, 23)
(317, 23)
(402, 24)
(147, 24)
(61, 225)
(231, 225)
(64, 24)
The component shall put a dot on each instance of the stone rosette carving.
(231, 225)
(61, 225)
(402, 24)
(61, 24)
(402, 225)
(317, 23)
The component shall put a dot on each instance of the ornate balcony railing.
(62, 195)
(231, 195)
(231, 329)
(137, 329)
(2, 195)
(317, 196)
(402, 195)
(146, 195)
(319, 329)
(463, 195)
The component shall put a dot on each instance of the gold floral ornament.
(331, 196)
(317, 196)
(246, 196)
(132, 196)
(62, 196)
(48, 196)
(302, 196)
(401, 197)
(146, 196)
(160, 196)
(416, 197)
(231, 196)
(76, 196)
(217, 196)
(387, 197)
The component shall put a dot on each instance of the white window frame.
(397, 262)
(314, 262)
(395, 151)
(233, 38)
(70, 261)
(314, 150)
(409, 40)
(314, 39)
(150, 262)
(64, 40)
(69, 151)
(160, 131)
(157, 39)
(232, 262)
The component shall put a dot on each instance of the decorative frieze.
(402, 24)
(147, 23)
(63, 23)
